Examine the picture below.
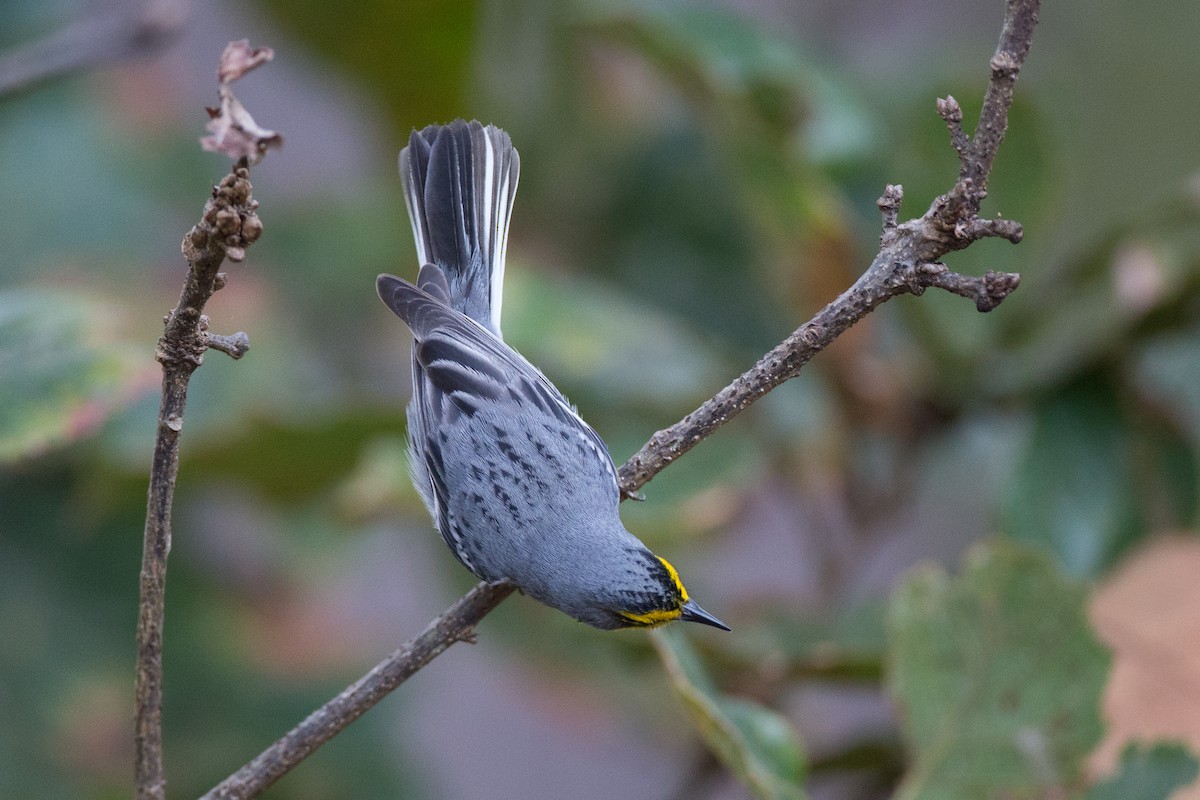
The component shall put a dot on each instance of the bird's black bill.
(694, 613)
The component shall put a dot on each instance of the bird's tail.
(459, 183)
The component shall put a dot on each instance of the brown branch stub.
(987, 291)
(234, 346)
(950, 111)
(455, 624)
(1000, 228)
(227, 225)
(889, 206)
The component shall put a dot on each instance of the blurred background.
(698, 178)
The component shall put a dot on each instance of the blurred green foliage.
(696, 180)
(754, 742)
(1148, 773)
(997, 678)
(62, 368)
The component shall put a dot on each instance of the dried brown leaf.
(233, 130)
(239, 58)
(1149, 614)
(236, 134)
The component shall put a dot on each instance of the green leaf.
(997, 677)
(1076, 490)
(756, 743)
(1148, 773)
(63, 369)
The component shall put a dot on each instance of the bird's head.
(665, 600)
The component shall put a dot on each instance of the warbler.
(519, 486)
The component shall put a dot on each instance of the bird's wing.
(458, 365)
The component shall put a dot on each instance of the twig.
(897, 269)
(907, 263)
(453, 625)
(233, 346)
(228, 225)
(180, 351)
(133, 29)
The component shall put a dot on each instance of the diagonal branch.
(907, 263)
(455, 624)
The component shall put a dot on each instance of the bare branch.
(181, 352)
(961, 204)
(135, 29)
(234, 346)
(987, 292)
(227, 226)
(455, 624)
(894, 272)
(1020, 18)
(907, 263)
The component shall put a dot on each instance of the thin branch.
(453, 625)
(907, 263)
(987, 292)
(961, 204)
(132, 29)
(895, 271)
(1020, 18)
(228, 225)
(233, 346)
(181, 352)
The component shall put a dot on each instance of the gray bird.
(519, 486)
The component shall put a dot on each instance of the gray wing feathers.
(432, 281)
(460, 181)
(457, 354)
(458, 364)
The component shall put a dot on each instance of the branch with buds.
(908, 262)
(228, 225)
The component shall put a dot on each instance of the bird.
(519, 486)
